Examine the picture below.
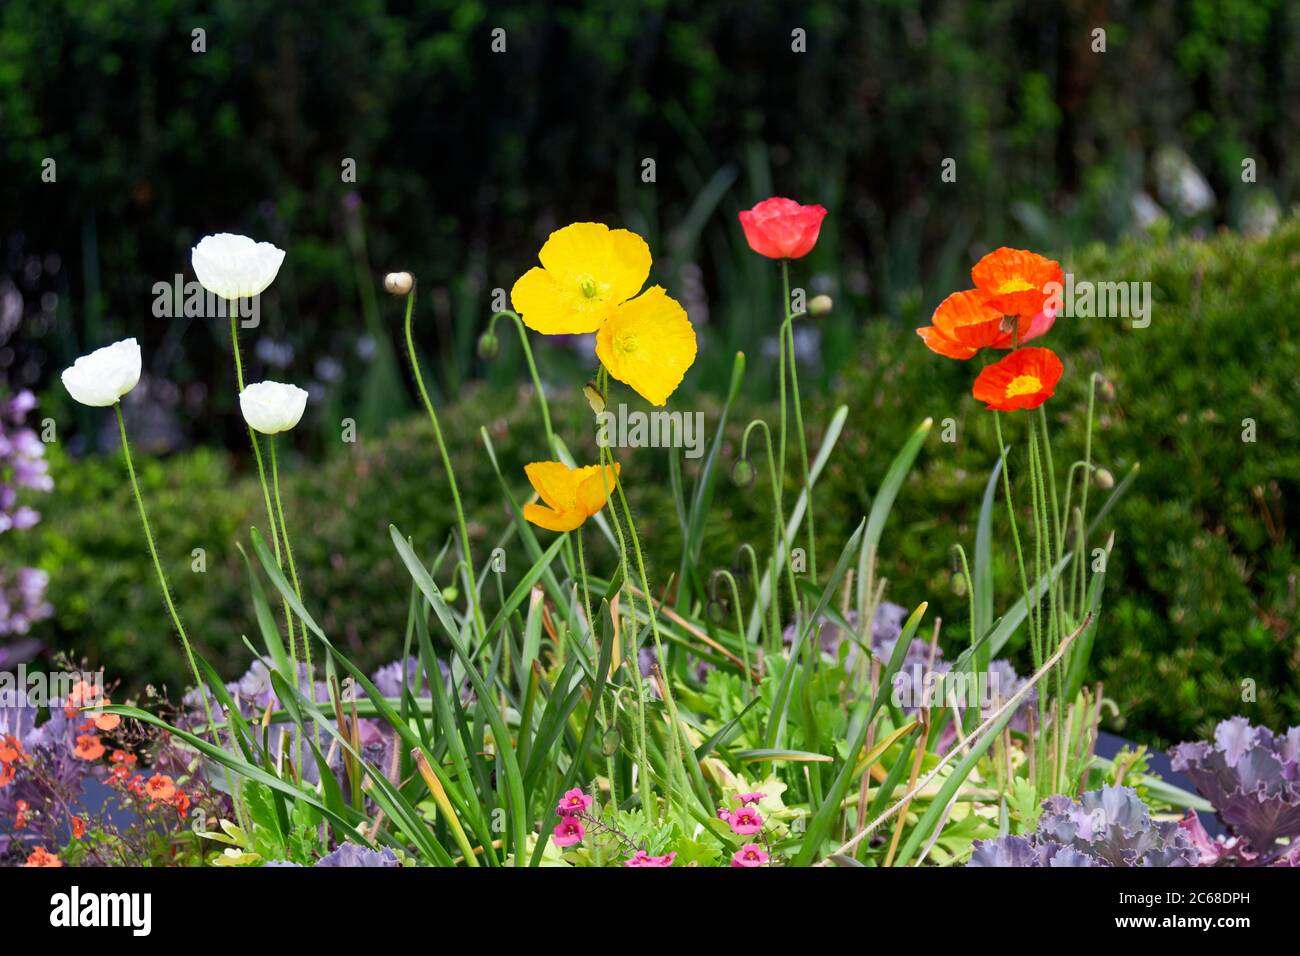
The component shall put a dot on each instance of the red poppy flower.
(782, 228)
(964, 323)
(1024, 379)
(1014, 280)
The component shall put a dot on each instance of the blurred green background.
(1120, 163)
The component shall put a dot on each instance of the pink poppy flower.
(781, 228)
(569, 831)
(746, 821)
(749, 856)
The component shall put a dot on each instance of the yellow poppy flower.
(587, 271)
(571, 495)
(648, 344)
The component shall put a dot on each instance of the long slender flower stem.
(167, 599)
(787, 330)
(475, 608)
(532, 371)
(1015, 539)
(591, 626)
(293, 570)
(632, 661)
(261, 470)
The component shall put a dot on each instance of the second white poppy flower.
(235, 267)
(272, 407)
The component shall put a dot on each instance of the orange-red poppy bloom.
(964, 323)
(1015, 280)
(160, 787)
(42, 857)
(88, 747)
(782, 228)
(1024, 379)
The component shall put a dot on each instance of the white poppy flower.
(272, 407)
(235, 267)
(105, 375)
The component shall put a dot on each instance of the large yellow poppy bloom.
(587, 271)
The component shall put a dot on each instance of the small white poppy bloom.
(105, 375)
(272, 407)
(235, 267)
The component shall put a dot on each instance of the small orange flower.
(10, 749)
(20, 817)
(6, 774)
(181, 802)
(106, 722)
(1024, 379)
(123, 757)
(964, 323)
(1013, 280)
(42, 857)
(88, 747)
(78, 827)
(160, 787)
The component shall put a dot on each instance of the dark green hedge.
(1200, 596)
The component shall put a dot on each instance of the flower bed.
(582, 712)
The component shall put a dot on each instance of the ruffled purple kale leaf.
(1106, 827)
(1252, 777)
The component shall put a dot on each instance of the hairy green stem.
(475, 609)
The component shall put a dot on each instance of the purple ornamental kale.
(1106, 827)
(1252, 777)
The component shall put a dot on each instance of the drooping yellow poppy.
(571, 495)
(587, 271)
(648, 344)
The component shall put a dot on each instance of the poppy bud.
(1105, 480)
(398, 283)
(488, 346)
(594, 398)
(820, 305)
(449, 594)
(742, 473)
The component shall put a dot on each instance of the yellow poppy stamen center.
(587, 285)
(1023, 385)
(627, 343)
(1016, 284)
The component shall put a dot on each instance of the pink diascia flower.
(724, 814)
(748, 798)
(642, 858)
(746, 821)
(748, 856)
(573, 801)
(569, 831)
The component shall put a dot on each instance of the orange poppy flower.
(1013, 280)
(1024, 379)
(88, 747)
(964, 323)
(160, 787)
